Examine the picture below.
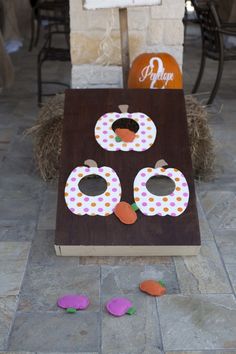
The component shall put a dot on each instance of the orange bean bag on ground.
(153, 288)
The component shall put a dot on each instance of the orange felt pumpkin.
(126, 135)
(152, 287)
(155, 71)
(125, 213)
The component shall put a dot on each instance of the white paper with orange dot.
(144, 137)
(149, 204)
(82, 204)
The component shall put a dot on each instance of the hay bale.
(47, 134)
(200, 139)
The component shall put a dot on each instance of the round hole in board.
(93, 185)
(125, 123)
(160, 185)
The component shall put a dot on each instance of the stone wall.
(151, 29)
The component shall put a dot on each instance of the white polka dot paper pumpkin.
(137, 124)
(82, 204)
(150, 204)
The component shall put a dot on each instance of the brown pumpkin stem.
(161, 163)
(90, 163)
(124, 108)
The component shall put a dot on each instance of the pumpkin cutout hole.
(93, 185)
(160, 185)
(125, 129)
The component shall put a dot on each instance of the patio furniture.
(213, 31)
(8, 31)
(50, 12)
(57, 44)
(188, 18)
(52, 52)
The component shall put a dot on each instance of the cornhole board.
(106, 235)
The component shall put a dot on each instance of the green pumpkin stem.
(161, 282)
(131, 311)
(134, 207)
(71, 310)
(118, 139)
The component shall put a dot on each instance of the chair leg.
(201, 71)
(217, 82)
(37, 33)
(39, 81)
(32, 31)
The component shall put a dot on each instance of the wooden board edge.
(128, 251)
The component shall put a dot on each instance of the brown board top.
(167, 110)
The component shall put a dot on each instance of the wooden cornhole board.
(107, 236)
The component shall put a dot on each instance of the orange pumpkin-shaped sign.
(155, 71)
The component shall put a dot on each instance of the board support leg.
(124, 36)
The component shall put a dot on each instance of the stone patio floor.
(198, 314)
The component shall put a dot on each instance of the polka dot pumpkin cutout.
(108, 139)
(149, 204)
(82, 204)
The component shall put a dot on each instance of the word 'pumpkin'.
(155, 71)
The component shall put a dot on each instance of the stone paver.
(18, 210)
(18, 352)
(19, 185)
(8, 305)
(204, 352)
(24, 232)
(220, 208)
(203, 273)
(43, 285)
(123, 280)
(198, 322)
(44, 332)
(231, 268)
(138, 333)
(47, 352)
(119, 261)
(226, 241)
(205, 231)
(134, 334)
(43, 251)
(47, 215)
(13, 260)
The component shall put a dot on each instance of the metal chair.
(51, 51)
(51, 11)
(213, 32)
(187, 19)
